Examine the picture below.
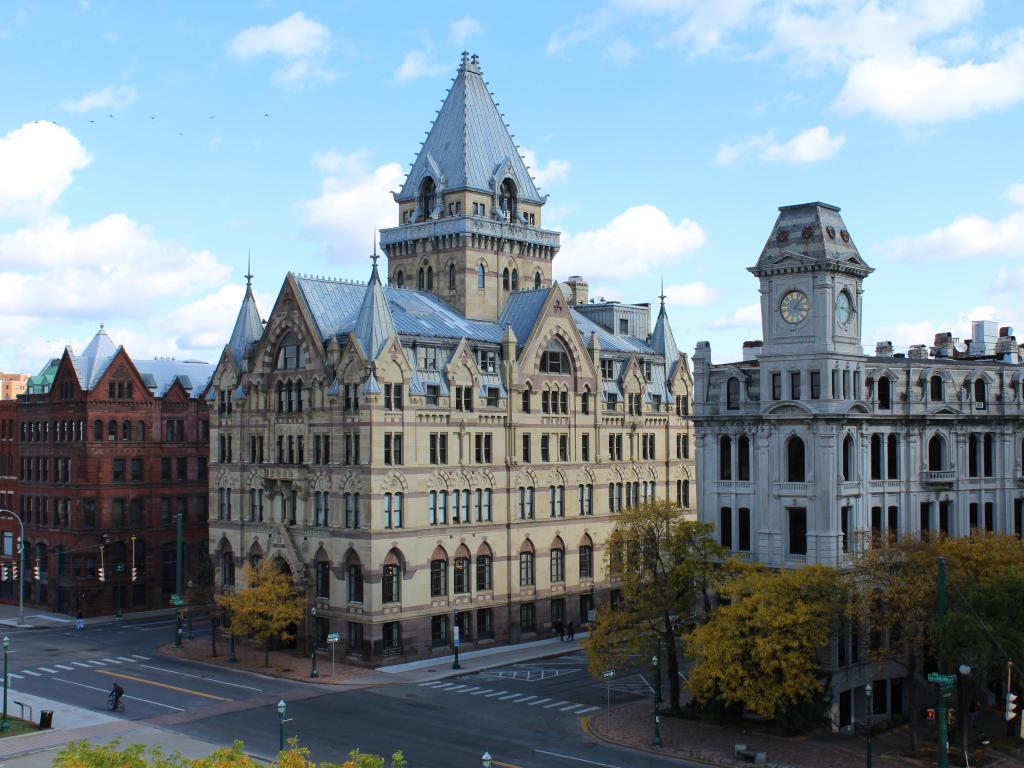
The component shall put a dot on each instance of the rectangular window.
(165, 469)
(488, 360)
(893, 524)
(526, 575)
(844, 525)
(181, 467)
(797, 530)
(526, 448)
(776, 386)
(485, 623)
(926, 519)
(526, 401)
(390, 585)
(464, 398)
(438, 447)
(815, 385)
(136, 469)
(438, 578)
(743, 544)
(607, 368)
(492, 397)
(586, 562)
(563, 448)
(545, 447)
(585, 447)
(118, 473)
(527, 618)
(433, 394)
(725, 527)
(794, 385)
(557, 565)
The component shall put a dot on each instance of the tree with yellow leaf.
(759, 650)
(665, 566)
(269, 608)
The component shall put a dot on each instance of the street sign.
(456, 637)
(935, 677)
(609, 673)
(334, 637)
(176, 601)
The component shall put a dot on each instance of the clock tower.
(811, 284)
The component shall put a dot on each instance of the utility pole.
(177, 579)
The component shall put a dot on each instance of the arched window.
(97, 430)
(732, 394)
(126, 431)
(536, 280)
(421, 281)
(430, 278)
(848, 458)
(504, 279)
(451, 277)
(795, 464)
(227, 568)
(290, 355)
(481, 274)
(355, 579)
(399, 279)
(980, 392)
(111, 430)
(507, 199)
(876, 457)
(743, 458)
(428, 194)
(725, 458)
(892, 455)
(884, 393)
(391, 578)
(280, 397)
(936, 453)
(557, 561)
(554, 358)
(936, 386)
(439, 573)
(484, 569)
(140, 431)
(515, 279)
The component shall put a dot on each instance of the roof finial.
(662, 296)
(101, 327)
(248, 270)
(375, 256)
(465, 59)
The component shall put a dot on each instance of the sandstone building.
(449, 449)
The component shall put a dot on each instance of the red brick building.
(109, 451)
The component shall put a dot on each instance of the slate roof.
(469, 142)
(662, 340)
(248, 326)
(373, 325)
(812, 233)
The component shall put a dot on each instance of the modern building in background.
(446, 451)
(110, 450)
(12, 385)
(808, 449)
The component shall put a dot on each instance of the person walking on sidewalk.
(572, 630)
(79, 622)
(561, 630)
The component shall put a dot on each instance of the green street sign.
(334, 637)
(176, 601)
(935, 677)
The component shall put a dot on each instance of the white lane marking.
(16, 677)
(30, 672)
(535, 703)
(111, 661)
(61, 666)
(201, 677)
(556, 704)
(48, 670)
(134, 698)
(584, 711)
(125, 658)
(570, 708)
(523, 697)
(429, 684)
(81, 664)
(444, 686)
(457, 688)
(470, 690)
(165, 623)
(95, 663)
(510, 696)
(144, 658)
(482, 690)
(577, 759)
(496, 693)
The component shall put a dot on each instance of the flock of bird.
(151, 117)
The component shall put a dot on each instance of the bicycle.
(110, 703)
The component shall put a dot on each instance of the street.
(525, 715)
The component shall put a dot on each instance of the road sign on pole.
(935, 677)
(608, 688)
(332, 640)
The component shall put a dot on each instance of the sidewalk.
(36, 618)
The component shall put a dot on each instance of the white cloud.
(353, 202)
(926, 89)
(636, 241)
(696, 294)
(1015, 194)
(620, 51)
(37, 163)
(543, 175)
(903, 335)
(302, 42)
(581, 29)
(416, 64)
(744, 317)
(465, 28)
(810, 146)
(111, 97)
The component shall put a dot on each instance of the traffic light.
(930, 714)
(135, 573)
(4, 572)
(1011, 705)
(35, 570)
(103, 573)
(14, 571)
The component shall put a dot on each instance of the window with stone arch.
(848, 457)
(399, 279)
(508, 199)
(936, 393)
(536, 280)
(290, 355)
(481, 275)
(451, 277)
(430, 278)
(421, 280)
(555, 359)
(515, 279)
(796, 468)
(428, 195)
(732, 394)
(936, 453)
(505, 284)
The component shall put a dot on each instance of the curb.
(589, 730)
(464, 671)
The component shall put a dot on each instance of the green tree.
(759, 650)
(269, 608)
(663, 565)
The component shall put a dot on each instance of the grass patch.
(18, 727)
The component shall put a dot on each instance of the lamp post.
(485, 760)
(280, 722)
(867, 720)
(312, 654)
(455, 639)
(180, 554)
(232, 659)
(190, 635)
(21, 563)
(5, 724)
(965, 718)
(657, 699)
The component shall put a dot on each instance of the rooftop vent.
(944, 345)
(883, 349)
(917, 351)
(752, 350)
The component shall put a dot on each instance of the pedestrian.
(572, 630)
(561, 630)
(80, 622)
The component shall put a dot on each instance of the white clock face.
(844, 308)
(794, 307)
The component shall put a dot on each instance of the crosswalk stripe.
(125, 658)
(510, 696)
(522, 697)
(111, 661)
(48, 670)
(584, 711)
(477, 693)
(570, 707)
(429, 684)
(496, 693)
(81, 664)
(457, 688)
(144, 658)
(444, 686)
(30, 672)
(470, 690)
(16, 677)
(556, 704)
(95, 663)
(61, 666)
(539, 701)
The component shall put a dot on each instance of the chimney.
(883, 349)
(579, 291)
(752, 350)
(917, 351)
(943, 345)
(1006, 349)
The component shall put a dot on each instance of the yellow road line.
(505, 765)
(161, 685)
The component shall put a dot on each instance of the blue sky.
(146, 148)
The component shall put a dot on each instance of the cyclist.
(115, 696)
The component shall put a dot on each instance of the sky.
(148, 149)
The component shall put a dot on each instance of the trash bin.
(45, 719)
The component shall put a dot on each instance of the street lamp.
(455, 639)
(965, 671)
(5, 724)
(867, 720)
(178, 562)
(485, 760)
(190, 635)
(312, 654)
(232, 659)
(280, 719)
(657, 698)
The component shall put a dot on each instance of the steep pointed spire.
(248, 325)
(94, 359)
(469, 145)
(374, 324)
(662, 340)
